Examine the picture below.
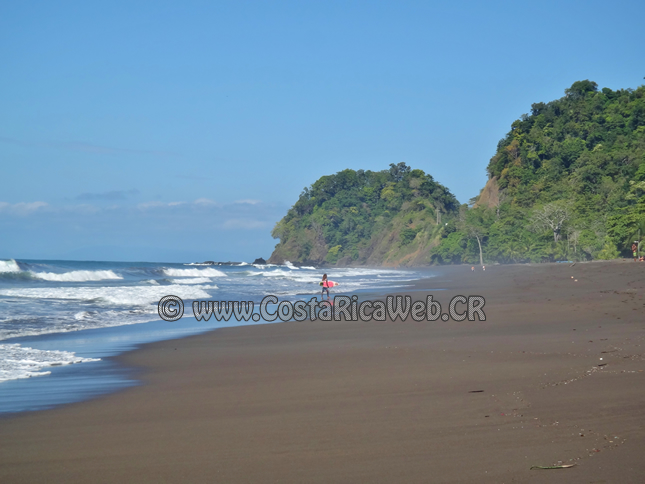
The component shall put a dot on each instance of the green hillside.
(566, 183)
(365, 217)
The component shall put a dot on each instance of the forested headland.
(567, 182)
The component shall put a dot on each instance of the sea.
(62, 322)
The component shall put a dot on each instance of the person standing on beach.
(326, 284)
(635, 251)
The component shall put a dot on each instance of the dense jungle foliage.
(358, 217)
(566, 183)
(570, 182)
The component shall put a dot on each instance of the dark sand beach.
(386, 401)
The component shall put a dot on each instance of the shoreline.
(80, 382)
(377, 402)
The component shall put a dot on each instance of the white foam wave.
(294, 276)
(77, 276)
(18, 362)
(192, 280)
(263, 266)
(311, 268)
(121, 296)
(9, 266)
(243, 264)
(66, 322)
(350, 272)
(290, 265)
(276, 273)
(193, 272)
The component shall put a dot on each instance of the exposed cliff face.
(489, 197)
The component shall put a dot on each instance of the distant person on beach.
(484, 268)
(472, 268)
(326, 284)
(635, 251)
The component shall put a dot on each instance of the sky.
(183, 131)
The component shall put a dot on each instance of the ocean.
(61, 321)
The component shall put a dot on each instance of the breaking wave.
(77, 276)
(120, 295)
(193, 272)
(9, 266)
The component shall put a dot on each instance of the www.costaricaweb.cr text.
(171, 308)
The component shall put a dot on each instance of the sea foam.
(18, 362)
(191, 280)
(121, 295)
(9, 266)
(77, 276)
(209, 272)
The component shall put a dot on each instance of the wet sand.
(377, 401)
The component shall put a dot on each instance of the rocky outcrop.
(489, 197)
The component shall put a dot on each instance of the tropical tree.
(475, 224)
(551, 216)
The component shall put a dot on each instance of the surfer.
(326, 284)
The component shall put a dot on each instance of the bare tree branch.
(551, 216)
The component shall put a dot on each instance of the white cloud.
(149, 205)
(206, 202)
(22, 208)
(239, 215)
(82, 208)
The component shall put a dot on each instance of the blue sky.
(175, 131)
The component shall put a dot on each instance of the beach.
(555, 375)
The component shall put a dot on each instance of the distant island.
(567, 182)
